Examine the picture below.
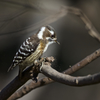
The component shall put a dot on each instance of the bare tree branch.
(17, 83)
(21, 3)
(14, 85)
(70, 80)
(10, 19)
(43, 22)
(62, 12)
(30, 86)
(14, 15)
(4, 94)
(88, 25)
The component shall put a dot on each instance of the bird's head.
(48, 33)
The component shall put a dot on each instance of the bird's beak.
(55, 39)
(57, 42)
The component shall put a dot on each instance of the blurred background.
(17, 19)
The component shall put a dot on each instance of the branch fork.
(36, 69)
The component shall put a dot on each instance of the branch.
(43, 22)
(24, 4)
(17, 82)
(88, 25)
(92, 31)
(10, 18)
(69, 80)
(62, 12)
(14, 85)
(30, 86)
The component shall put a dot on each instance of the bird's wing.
(25, 50)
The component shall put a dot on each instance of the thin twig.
(21, 3)
(37, 25)
(62, 12)
(88, 25)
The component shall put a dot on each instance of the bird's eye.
(52, 36)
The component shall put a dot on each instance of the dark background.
(16, 19)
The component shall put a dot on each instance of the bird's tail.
(10, 68)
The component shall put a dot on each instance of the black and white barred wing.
(25, 50)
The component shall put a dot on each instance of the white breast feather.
(47, 45)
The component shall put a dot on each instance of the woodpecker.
(33, 48)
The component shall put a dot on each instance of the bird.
(33, 48)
